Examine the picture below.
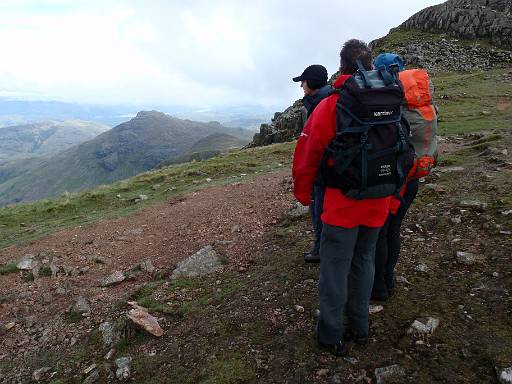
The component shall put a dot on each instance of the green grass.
(473, 102)
(7, 268)
(25, 222)
(72, 317)
(227, 371)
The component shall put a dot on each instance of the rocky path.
(232, 218)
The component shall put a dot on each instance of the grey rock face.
(388, 373)
(201, 263)
(285, 126)
(470, 19)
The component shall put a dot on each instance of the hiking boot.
(337, 349)
(355, 337)
(311, 257)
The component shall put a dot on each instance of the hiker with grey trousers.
(350, 225)
(314, 83)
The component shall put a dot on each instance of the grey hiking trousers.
(346, 278)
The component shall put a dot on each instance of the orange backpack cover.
(421, 113)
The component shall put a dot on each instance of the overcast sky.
(196, 53)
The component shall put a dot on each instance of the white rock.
(372, 309)
(472, 204)
(299, 210)
(26, 262)
(92, 378)
(390, 372)
(123, 367)
(38, 374)
(421, 268)
(89, 369)
(299, 308)
(466, 258)
(114, 278)
(402, 280)
(506, 213)
(505, 376)
(107, 333)
(81, 305)
(147, 266)
(451, 169)
(424, 325)
(203, 262)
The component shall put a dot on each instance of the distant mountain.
(126, 150)
(218, 141)
(208, 147)
(45, 138)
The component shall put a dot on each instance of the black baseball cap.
(316, 76)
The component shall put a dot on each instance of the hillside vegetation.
(29, 221)
(45, 138)
(124, 151)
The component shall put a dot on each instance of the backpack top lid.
(376, 78)
(372, 97)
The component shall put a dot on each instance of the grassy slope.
(29, 221)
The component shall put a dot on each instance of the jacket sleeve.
(316, 135)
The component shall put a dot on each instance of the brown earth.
(233, 219)
(253, 322)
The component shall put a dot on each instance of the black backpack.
(371, 152)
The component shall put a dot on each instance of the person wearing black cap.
(314, 83)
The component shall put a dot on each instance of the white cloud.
(169, 52)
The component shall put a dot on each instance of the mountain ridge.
(132, 147)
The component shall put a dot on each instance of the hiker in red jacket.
(351, 226)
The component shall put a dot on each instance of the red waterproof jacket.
(338, 210)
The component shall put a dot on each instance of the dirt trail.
(233, 218)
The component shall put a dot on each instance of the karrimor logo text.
(382, 113)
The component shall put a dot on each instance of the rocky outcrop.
(448, 54)
(285, 126)
(466, 20)
(469, 19)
